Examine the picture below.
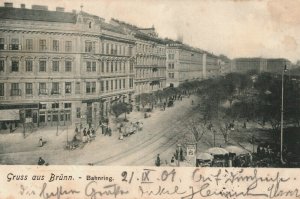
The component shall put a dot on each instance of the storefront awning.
(19, 106)
(90, 100)
(9, 115)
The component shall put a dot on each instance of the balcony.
(15, 92)
(15, 47)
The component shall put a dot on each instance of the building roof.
(249, 59)
(112, 28)
(178, 44)
(139, 32)
(37, 15)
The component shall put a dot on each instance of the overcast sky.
(237, 28)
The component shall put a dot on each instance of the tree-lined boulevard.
(236, 110)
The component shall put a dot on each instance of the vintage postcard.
(149, 99)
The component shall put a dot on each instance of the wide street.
(160, 135)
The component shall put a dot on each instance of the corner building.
(59, 68)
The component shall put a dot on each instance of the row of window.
(149, 61)
(14, 44)
(55, 45)
(142, 73)
(56, 105)
(115, 49)
(91, 66)
(42, 66)
(114, 84)
(109, 67)
(187, 55)
(90, 87)
(150, 49)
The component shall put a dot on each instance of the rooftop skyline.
(268, 29)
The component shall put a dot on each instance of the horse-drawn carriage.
(131, 128)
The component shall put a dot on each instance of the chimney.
(60, 9)
(39, 7)
(23, 5)
(8, 5)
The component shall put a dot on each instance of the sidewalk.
(15, 149)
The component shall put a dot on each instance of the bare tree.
(225, 130)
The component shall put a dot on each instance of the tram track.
(143, 146)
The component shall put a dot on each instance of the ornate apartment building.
(187, 63)
(150, 68)
(60, 67)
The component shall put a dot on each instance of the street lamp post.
(56, 104)
(281, 124)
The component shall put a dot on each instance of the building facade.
(183, 63)
(150, 56)
(276, 65)
(186, 63)
(244, 65)
(61, 67)
(211, 65)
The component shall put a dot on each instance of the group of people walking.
(88, 135)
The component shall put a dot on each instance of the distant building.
(259, 65)
(186, 63)
(211, 65)
(225, 65)
(243, 65)
(183, 63)
(276, 65)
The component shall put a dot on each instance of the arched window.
(90, 24)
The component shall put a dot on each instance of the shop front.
(13, 116)
(53, 114)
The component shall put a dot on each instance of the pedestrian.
(10, 128)
(157, 162)
(141, 126)
(41, 161)
(109, 131)
(172, 159)
(121, 137)
(89, 132)
(230, 162)
(258, 150)
(226, 160)
(93, 132)
(76, 130)
(102, 128)
(41, 142)
(84, 132)
(250, 158)
(181, 154)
